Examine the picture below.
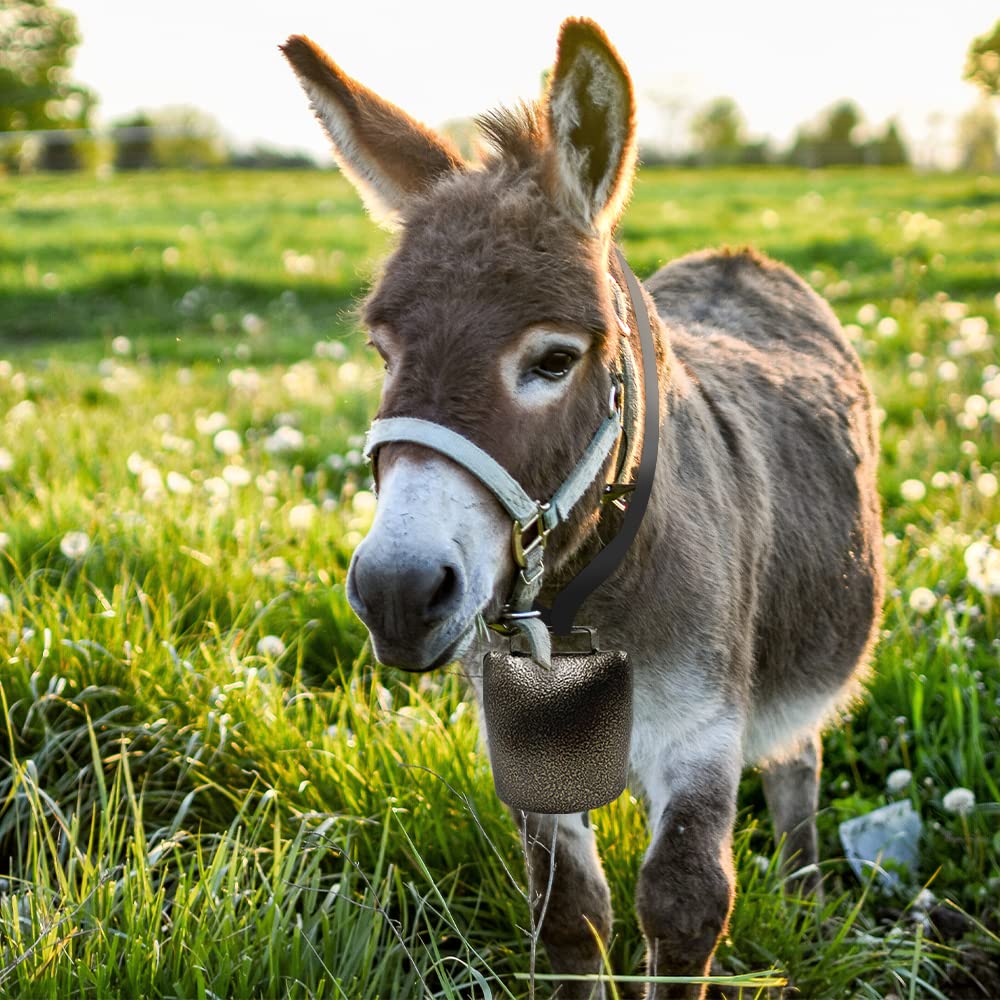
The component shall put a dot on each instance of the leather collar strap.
(538, 519)
(560, 616)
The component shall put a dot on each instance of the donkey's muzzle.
(406, 603)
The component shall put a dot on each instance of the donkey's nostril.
(444, 597)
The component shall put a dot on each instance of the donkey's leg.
(791, 788)
(569, 895)
(687, 883)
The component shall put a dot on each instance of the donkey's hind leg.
(791, 788)
(569, 896)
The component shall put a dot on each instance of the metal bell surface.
(558, 738)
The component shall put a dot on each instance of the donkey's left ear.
(591, 118)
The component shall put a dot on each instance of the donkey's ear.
(386, 154)
(591, 118)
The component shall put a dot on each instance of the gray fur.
(750, 600)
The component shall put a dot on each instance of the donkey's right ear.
(386, 154)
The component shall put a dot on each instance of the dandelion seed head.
(271, 646)
(251, 324)
(363, 502)
(216, 487)
(960, 801)
(74, 544)
(922, 599)
(987, 484)
(898, 780)
(211, 424)
(982, 564)
(912, 490)
(22, 412)
(301, 516)
(178, 483)
(285, 439)
(947, 371)
(227, 442)
(236, 475)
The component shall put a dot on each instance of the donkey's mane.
(514, 133)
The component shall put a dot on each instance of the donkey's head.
(494, 316)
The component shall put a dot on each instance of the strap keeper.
(518, 531)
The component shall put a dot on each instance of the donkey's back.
(788, 389)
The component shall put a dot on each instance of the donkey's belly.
(775, 728)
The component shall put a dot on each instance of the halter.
(534, 520)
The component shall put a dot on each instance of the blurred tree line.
(719, 138)
(38, 96)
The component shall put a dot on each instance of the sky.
(783, 61)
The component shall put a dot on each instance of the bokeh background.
(207, 786)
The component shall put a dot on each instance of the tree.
(982, 65)
(977, 138)
(133, 143)
(832, 141)
(37, 42)
(841, 121)
(889, 149)
(718, 131)
(187, 137)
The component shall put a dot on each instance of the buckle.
(617, 493)
(507, 615)
(518, 532)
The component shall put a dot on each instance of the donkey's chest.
(676, 713)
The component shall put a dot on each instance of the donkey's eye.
(555, 364)
(385, 360)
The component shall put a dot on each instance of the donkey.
(750, 599)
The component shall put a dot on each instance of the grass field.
(207, 789)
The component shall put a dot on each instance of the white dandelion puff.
(922, 600)
(252, 324)
(868, 314)
(217, 487)
(74, 544)
(363, 502)
(898, 780)
(236, 475)
(982, 564)
(227, 442)
(283, 440)
(211, 424)
(960, 801)
(947, 371)
(178, 483)
(301, 516)
(271, 646)
(987, 485)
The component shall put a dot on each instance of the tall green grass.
(186, 810)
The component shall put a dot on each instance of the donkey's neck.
(673, 386)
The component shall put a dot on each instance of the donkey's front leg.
(686, 883)
(569, 895)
